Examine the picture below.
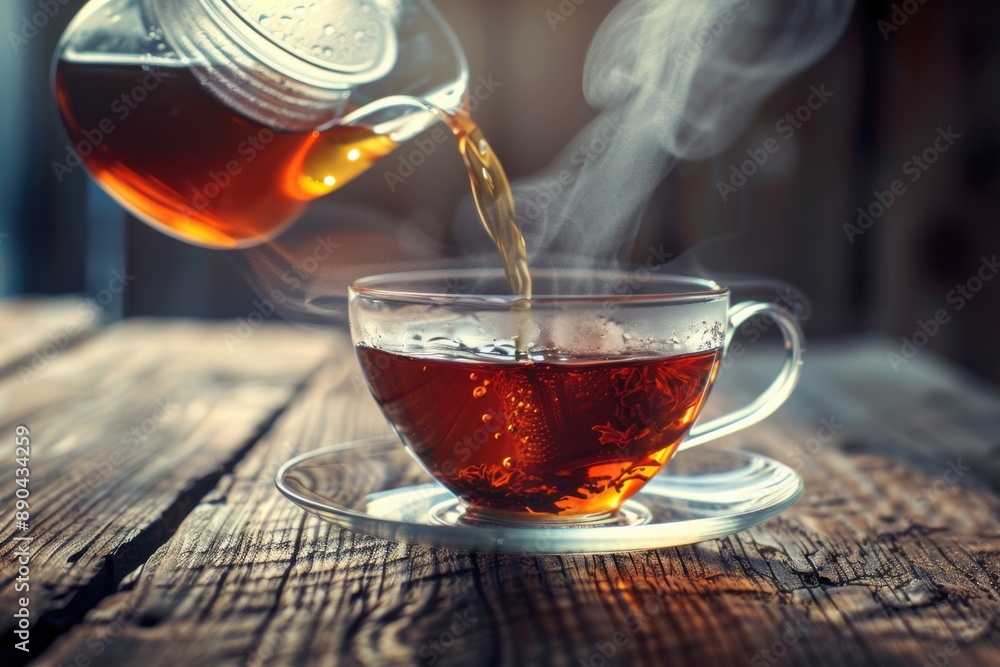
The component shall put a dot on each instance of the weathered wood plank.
(33, 332)
(129, 431)
(868, 569)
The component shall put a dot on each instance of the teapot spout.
(429, 83)
(431, 75)
(402, 117)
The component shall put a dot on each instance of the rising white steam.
(675, 80)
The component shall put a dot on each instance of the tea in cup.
(569, 425)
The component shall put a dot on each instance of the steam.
(675, 80)
(304, 274)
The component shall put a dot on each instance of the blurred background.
(891, 92)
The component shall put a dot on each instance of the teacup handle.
(775, 395)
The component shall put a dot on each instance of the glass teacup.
(561, 409)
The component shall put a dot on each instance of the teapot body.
(218, 125)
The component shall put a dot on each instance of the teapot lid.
(354, 38)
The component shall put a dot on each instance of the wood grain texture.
(129, 431)
(887, 560)
(33, 332)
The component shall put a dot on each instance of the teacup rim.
(368, 287)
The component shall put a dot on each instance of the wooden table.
(158, 537)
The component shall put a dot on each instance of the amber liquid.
(555, 439)
(495, 202)
(182, 161)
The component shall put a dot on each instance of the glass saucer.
(375, 487)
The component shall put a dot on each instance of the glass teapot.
(218, 121)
